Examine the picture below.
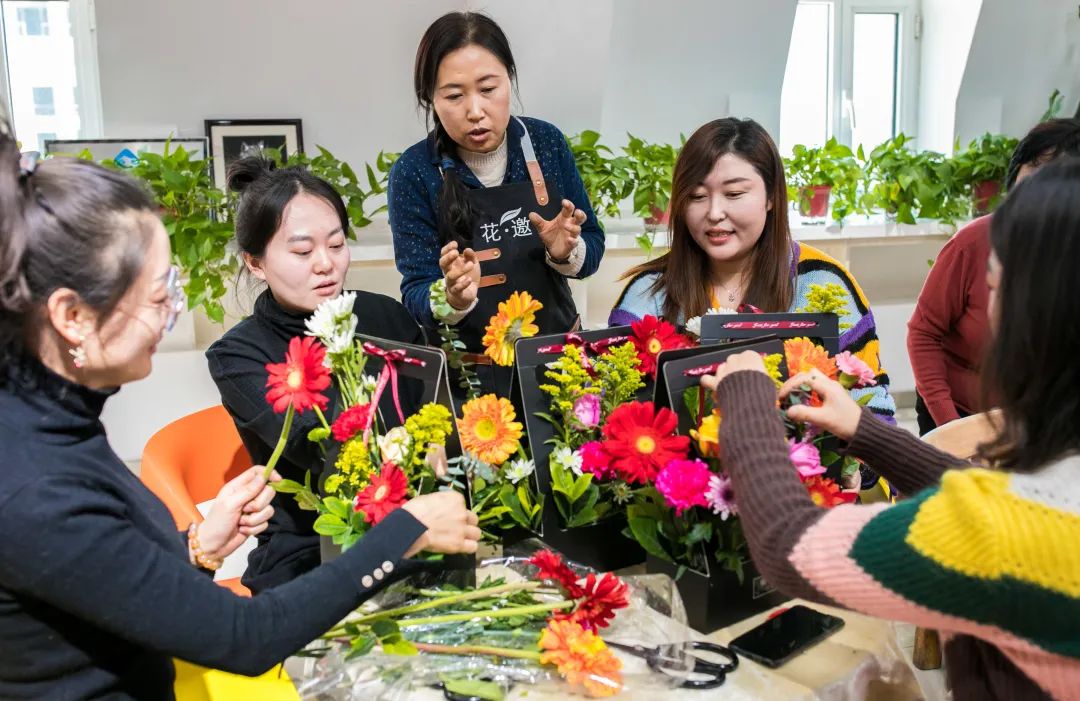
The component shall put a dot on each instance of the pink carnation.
(854, 372)
(721, 497)
(806, 458)
(684, 484)
(596, 461)
(587, 410)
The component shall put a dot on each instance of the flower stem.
(498, 613)
(318, 412)
(280, 447)
(479, 650)
(440, 602)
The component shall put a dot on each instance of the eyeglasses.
(175, 297)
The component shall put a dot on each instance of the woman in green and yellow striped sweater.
(990, 557)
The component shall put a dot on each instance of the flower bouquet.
(372, 469)
(571, 386)
(530, 621)
(684, 512)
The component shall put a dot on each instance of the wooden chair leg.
(927, 651)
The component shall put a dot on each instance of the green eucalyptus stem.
(280, 447)
(498, 613)
(479, 650)
(438, 603)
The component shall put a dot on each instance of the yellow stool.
(195, 683)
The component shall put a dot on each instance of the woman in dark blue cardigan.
(488, 204)
(98, 591)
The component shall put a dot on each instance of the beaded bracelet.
(203, 561)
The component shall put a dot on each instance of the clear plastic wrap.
(653, 618)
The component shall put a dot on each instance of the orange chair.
(189, 461)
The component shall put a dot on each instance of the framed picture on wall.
(124, 152)
(232, 139)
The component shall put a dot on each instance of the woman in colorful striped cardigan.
(990, 557)
(731, 245)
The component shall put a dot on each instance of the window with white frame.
(852, 72)
(33, 21)
(48, 69)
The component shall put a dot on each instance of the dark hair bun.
(245, 171)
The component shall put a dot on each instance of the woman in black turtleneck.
(98, 590)
(291, 228)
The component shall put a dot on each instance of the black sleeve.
(240, 376)
(101, 568)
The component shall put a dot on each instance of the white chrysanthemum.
(568, 459)
(366, 388)
(334, 323)
(693, 325)
(394, 446)
(519, 469)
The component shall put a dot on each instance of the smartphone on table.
(784, 636)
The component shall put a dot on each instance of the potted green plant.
(606, 177)
(651, 167)
(910, 184)
(816, 173)
(981, 169)
(196, 217)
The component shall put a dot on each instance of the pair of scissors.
(701, 673)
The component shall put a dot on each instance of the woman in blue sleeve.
(487, 204)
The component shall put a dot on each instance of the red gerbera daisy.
(552, 567)
(351, 421)
(602, 597)
(827, 493)
(388, 491)
(298, 381)
(641, 440)
(650, 336)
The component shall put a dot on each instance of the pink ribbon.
(573, 339)
(389, 374)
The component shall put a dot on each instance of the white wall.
(1022, 50)
(676, 65)
(345, 68)
(948, 29)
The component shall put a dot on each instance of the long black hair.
(64, 223)
(1054, 137)
(1033, 364)
(265, 191)
(453, 31)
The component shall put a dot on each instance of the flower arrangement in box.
(376, 469)
(684, 507)
(590, 386)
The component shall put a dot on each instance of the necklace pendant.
(731, 297)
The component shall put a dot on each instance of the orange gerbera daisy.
(581, 657)
(488, 429)
(803, 355)
(827, 493)
(516, 319)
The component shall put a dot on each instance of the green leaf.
(337, 507)
(474, 688)
(286, 486)
(644, 531)
(330, 525)
(360, 645)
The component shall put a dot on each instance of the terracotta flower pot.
(983, 195)
(814, 201)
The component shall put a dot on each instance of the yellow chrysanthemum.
(516, 319)
(581, 657)
(488, 429)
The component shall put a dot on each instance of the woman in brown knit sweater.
(988, 557)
